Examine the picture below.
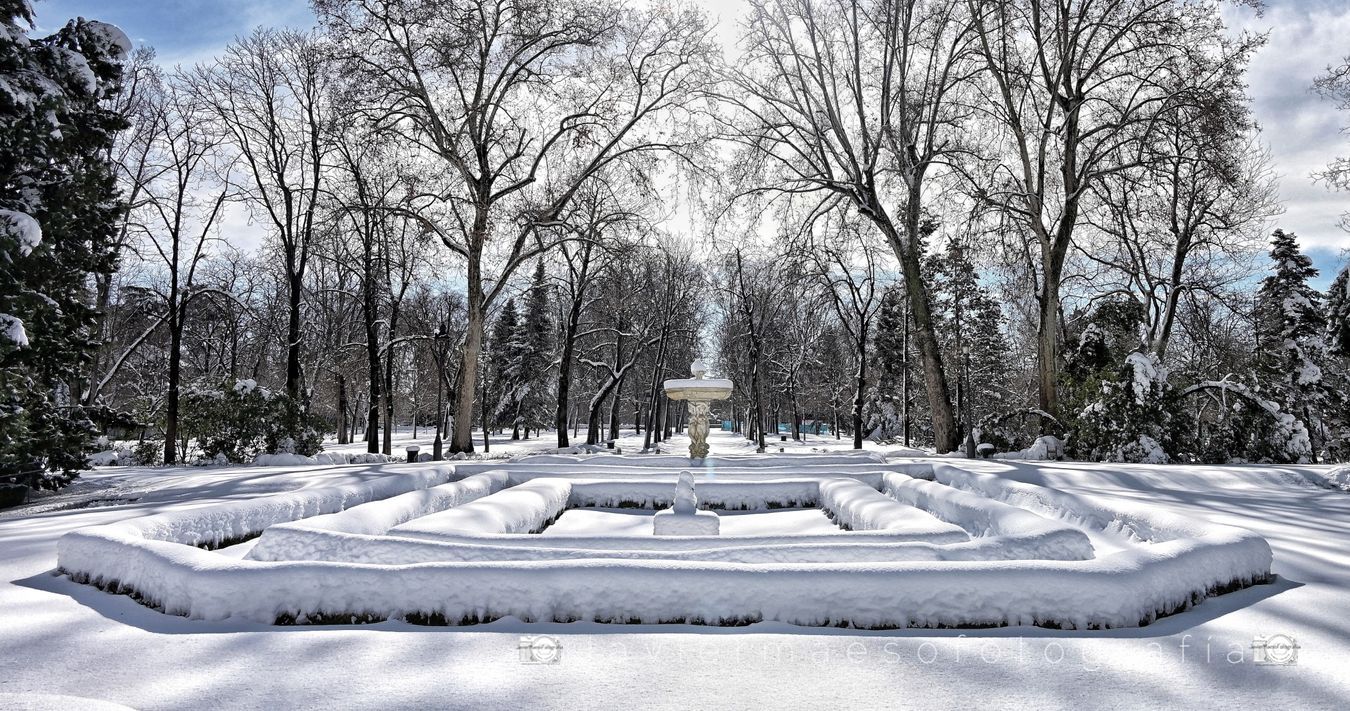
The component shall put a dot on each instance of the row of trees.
(942, 221)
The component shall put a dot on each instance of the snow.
(1045, 447)
(638, 523)
(113, 35)
(698, 384)
(78, 66)
(686, 501)
(23, 228)
(1339, 478)
(520, 509)
(1151, 451)
(859, 507)
(11, 329)
(669, 522)
(1147, 371)
(322, 458)
(1175, 564)
(62, 638)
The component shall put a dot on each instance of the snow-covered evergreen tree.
(503, 366)
(1336, 371)
(534, 345)
(1133, 419)
(58, 205)
(886, 418)
(970, 331)
(1290, 332)
(1338, 315)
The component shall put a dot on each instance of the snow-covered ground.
(629, 442)
(61, 638)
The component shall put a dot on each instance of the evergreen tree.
(1290, 333)
(886, 419)
(1337, 370)
(535, 347)
(58, 207)
(1134, 418)
(1338, 315)
(971, 332)
(503, 370)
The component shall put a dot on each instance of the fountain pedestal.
(698, 392)
(683, 518)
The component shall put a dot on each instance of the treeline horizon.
(954, 224)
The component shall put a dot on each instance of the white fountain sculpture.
(698, 392)
(683, 518)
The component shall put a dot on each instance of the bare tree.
(847, 270)
(1074, 90)
(517, 106)
(1334, 85)
(182, 203)
(270, 91)
(852, 101)
(595, 213)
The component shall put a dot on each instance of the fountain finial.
(698, 368)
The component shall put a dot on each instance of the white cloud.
(1302, 130)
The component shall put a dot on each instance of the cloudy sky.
(1304, 37)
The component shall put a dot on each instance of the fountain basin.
(698, 389)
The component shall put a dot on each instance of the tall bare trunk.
(175, 374)
(945, 436)
(296, 284)
(342, 409)
(860, 387)
(461, 439)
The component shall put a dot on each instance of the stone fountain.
(698, 392)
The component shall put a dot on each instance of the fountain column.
(698, 392)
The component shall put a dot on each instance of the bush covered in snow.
(238, 420)
(1237, 424)
(1133, 419)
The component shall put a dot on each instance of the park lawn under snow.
(58, 637)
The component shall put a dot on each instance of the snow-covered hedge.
(1122, 590)
(859, 507)
(293, 460)
(653, 493)
(525, 508)
(210, 526)
(1003, 531)
(852, 579)
(1339, 478)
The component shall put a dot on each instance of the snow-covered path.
(57, 637)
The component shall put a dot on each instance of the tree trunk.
(860, 388)
(388, 447)
(1047, 336)
(614, 410)
(175, 373)
(904, 388)
(565, 373)
(593, 418)
(462, 438)
(296, 284)
(342, 409)
(945, 436)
